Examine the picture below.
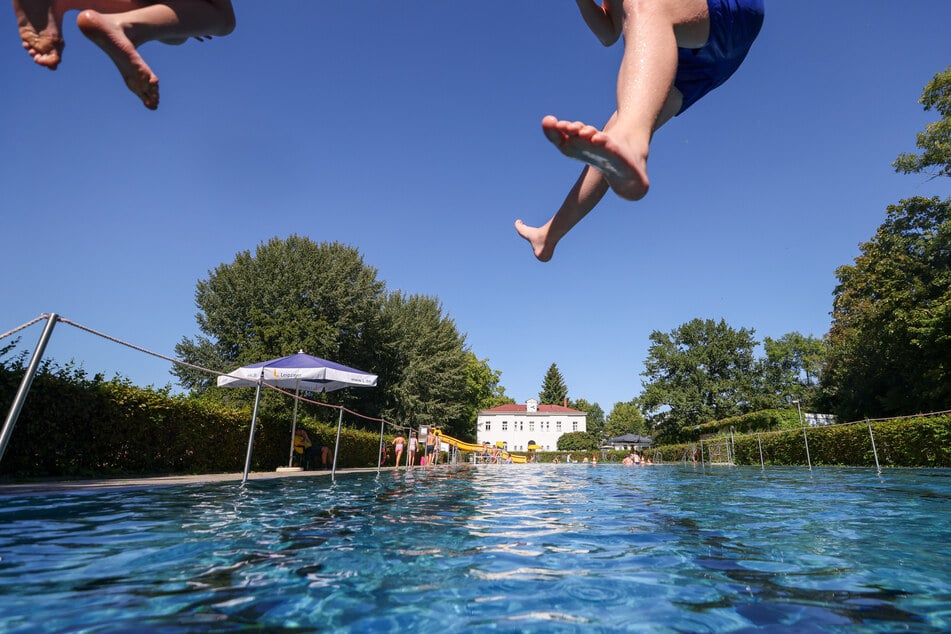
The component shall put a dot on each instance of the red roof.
(515, 408)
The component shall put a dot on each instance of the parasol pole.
(290, 458)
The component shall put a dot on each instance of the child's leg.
(588, 190)
(41, 23)
(40, 29)
(120, 34)
(653, 29)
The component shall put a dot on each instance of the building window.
(488, 426)
(574, 426)
(505, 425)
(557, 425)
(521, 426)
(531, 425)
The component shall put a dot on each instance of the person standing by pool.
(430, 445)
(411, 451)
(675, 52)
(398, 443)
(119, 27)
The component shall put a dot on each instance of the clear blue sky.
(410, 130)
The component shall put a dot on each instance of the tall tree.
(625, 418)
(554, 391)
(483, 391)
(890, 341)
(429, 363)
(701, 371)
(790, 369)
(289, 295)
(935, 141)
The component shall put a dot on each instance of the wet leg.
(652, 31)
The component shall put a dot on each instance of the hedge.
(907, 442)
(77, 427)
(763, 420)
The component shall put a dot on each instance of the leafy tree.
(483, 391)
(935, 141)
(594, 419)
(790, 369)
(625, 418)
(554, 391)
(428, 365)
(578, 441)
(890, 341)
(290, 295)
(700, 371)
(295, 294)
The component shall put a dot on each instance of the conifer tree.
(554, 391)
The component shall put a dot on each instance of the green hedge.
(909, 442)
(74, 426)
(763, 420)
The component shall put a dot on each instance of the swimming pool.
(494, 547)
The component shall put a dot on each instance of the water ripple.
(498, 547)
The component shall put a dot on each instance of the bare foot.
(624, 170)
(40, 31)
(538, 238)
(109, 35)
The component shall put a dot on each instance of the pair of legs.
(119, 27)
(646, 99)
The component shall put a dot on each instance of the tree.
(890, 340)
(625, 418)
(483, 391)
(935, 141)
(578, 441)
(295, 294)
(790, 369)
(290, 295)
(699, 372)
(428, 365)
(554, 391)
(594, 416)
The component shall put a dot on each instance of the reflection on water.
(501, 547)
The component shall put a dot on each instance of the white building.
(518, 426)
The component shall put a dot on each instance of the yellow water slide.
(475, 448)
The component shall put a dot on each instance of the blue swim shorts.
(734, 24)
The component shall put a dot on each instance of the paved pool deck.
(59, 485)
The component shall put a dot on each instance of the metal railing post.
(333, 472)
(874, 451)
(26, 383)
(808, 458)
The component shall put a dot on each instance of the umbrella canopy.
(307, 372)
(301, 372)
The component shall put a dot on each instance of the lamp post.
(799, 409)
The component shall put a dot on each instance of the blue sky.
(411, 131)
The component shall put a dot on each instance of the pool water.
(516, 548)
